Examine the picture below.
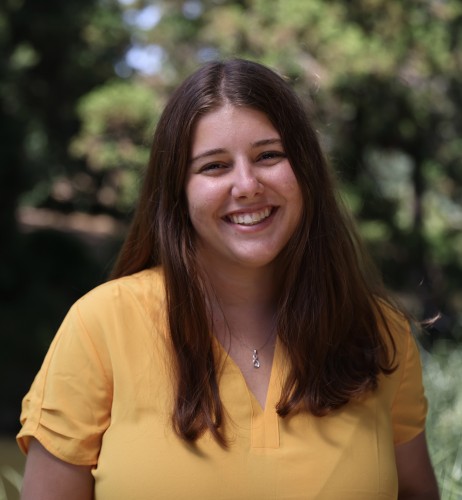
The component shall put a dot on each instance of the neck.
(248, 290)
(243, 304)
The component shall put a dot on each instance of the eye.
(271, 157)
(212, 168)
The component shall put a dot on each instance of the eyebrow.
(217, 151)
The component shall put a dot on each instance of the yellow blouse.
(103, 397)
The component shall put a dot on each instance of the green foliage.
(382, 79)
(10, 479)
(50, 56)
(49, 59)
(444, 424)
(384, 82)
(117, 122)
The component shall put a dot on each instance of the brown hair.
(330, 311)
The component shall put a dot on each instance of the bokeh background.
(82, 83)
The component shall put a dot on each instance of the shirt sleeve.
(67, 408)
(409, 408)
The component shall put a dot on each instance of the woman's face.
(243, 198)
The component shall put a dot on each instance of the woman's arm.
(49, 478)
(416, 478)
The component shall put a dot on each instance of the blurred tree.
(82, 84)
(387, 81)
(51, 53)
(117, 123)
(386, 78)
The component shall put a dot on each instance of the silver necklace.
(255, 360)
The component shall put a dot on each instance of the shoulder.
(396, 329)
(115, 320)
(403, 390)
(124, 307)
(143, 290)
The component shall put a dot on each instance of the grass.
(443, 379)
(11, 469)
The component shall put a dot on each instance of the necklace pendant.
(255, 360)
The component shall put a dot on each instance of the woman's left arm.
(416, 478)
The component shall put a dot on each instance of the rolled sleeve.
(68, 405)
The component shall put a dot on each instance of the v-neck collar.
(264, 422)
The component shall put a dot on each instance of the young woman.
(245, 347)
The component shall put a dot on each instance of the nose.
(245, 181)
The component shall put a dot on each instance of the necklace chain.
(255, 359)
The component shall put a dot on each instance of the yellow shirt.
(103, 397)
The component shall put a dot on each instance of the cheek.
(194, 214)
(198, 209)
(203, 199)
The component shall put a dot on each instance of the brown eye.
(212, 168)
(271, 156)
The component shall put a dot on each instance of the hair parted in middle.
(330, 309)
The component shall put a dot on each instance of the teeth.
(250, 219)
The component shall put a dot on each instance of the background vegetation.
(82, 83)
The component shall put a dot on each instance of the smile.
(250, 219)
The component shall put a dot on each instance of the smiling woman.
(243, 198)
(245, 343)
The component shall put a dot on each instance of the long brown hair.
(330, 313)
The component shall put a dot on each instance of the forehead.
(231, 124)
